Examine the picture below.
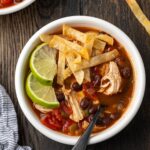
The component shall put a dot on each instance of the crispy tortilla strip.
(66, 37)
(61, 68)
(79, 75)
(73, 33)
(78, 59)
(106, 38)
(59, 43)
(87, 76)
(99, 45)
(67, 73)
(96, 60)
(96, 52)
(86, 38)
(67, 46)
(89, 41)
(45, 38)
(137, 11)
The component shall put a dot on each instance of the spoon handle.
(83, 140)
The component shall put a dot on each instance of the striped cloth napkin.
(8, 124)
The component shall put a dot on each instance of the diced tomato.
(54, 123)
(56, 120)
(6, 2)
(57, 114)
(67, 124)
(44, 120)
(89, 90)
(51, 121)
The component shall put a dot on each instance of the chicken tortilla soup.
(74, 72)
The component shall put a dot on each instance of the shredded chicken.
(77, 112)
(72, 98)
(41, 108)
(111, 81)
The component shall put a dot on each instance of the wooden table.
(17, 28)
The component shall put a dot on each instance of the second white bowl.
(17, 7)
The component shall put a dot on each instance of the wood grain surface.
(17, 28)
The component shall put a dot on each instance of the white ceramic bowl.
(85, 21)
(17, 7)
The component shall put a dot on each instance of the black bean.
(90, 118)
(99, 121)
(126, 72)
(60, 96)
(85, 103)
(96, 80)
(93, 110)
(120, 61)
(76, 86)
(103, 106)
(107, 120)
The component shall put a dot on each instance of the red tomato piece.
(44, 120)
(57, 114)
(67, 124)
(89, 90)
(54, 123)
(51, 121)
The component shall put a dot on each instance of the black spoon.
(83, 140)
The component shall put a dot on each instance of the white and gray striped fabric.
(8, 124)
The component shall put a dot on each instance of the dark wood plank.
(17, 28)
(136, 135)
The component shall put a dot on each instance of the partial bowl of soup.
(11, 6)
(70, 68)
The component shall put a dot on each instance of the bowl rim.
(127, 116)
(15, 8)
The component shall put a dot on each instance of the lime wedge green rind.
(31, 84)
(48, 65)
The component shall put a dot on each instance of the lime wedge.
(41, 94)
(43, 63)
